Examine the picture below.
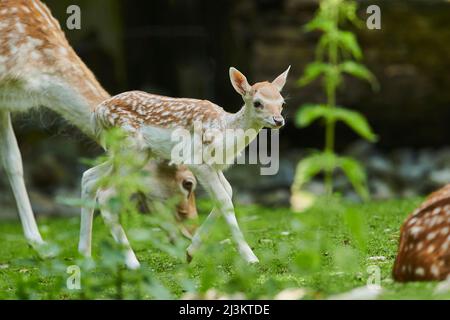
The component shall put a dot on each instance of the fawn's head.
(263, 99)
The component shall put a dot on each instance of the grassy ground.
(278, 237)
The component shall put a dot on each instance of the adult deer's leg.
(88, 196)
(12, 162)
(112, 220)
(214, 182)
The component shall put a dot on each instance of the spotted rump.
(424, 250)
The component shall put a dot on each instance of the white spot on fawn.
(434, 270)
(415, 231)
(420, 271)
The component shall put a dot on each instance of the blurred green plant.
(337, 52)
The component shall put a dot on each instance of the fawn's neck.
(242, 119)
(245, 127)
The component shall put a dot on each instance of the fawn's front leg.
(220, 191)
(201, 232)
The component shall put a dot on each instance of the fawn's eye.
(257, 104)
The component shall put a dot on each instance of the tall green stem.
(331, 99)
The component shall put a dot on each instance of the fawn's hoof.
(253, 260)
(44, 250)
(133, 265)
(132, 262)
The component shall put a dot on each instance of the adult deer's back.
(38, 67)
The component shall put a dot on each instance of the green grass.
(286, 243)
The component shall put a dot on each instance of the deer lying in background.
(150, 120)
(38, 67)
(424, 250)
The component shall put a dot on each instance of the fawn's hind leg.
(12, 162)
(88, 196)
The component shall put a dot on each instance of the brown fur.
(30, 34)
(424, 249)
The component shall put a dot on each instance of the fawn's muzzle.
(278, 121)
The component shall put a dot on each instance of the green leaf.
(309, 113)
(348, 11)
(320, 23)
(312, 71)
(360, 71)
(356, 121)
(355, 174)
(312, 165)
(348, 43)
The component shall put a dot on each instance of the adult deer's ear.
(280, 81)
(239, 82)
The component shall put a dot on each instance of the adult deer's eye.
(258, 104)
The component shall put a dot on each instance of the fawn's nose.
(279, 121)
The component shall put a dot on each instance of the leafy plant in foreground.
(337, 53)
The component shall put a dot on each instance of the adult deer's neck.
(78, 93)
(35, 55)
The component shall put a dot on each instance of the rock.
(213, 294)
(440, 177)
(362, 293)
(291, 294)
(377, 258)
(443, 287)
(380, 165)
(301, 201)
(381, 189)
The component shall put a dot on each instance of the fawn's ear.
(239, 82)
(280, 81)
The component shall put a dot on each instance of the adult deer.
(38, 67)
(424, 250)
(151, 121)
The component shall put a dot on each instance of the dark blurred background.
(185, 47)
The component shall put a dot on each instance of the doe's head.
(167, 182)
(263, 99)
(186, 183)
